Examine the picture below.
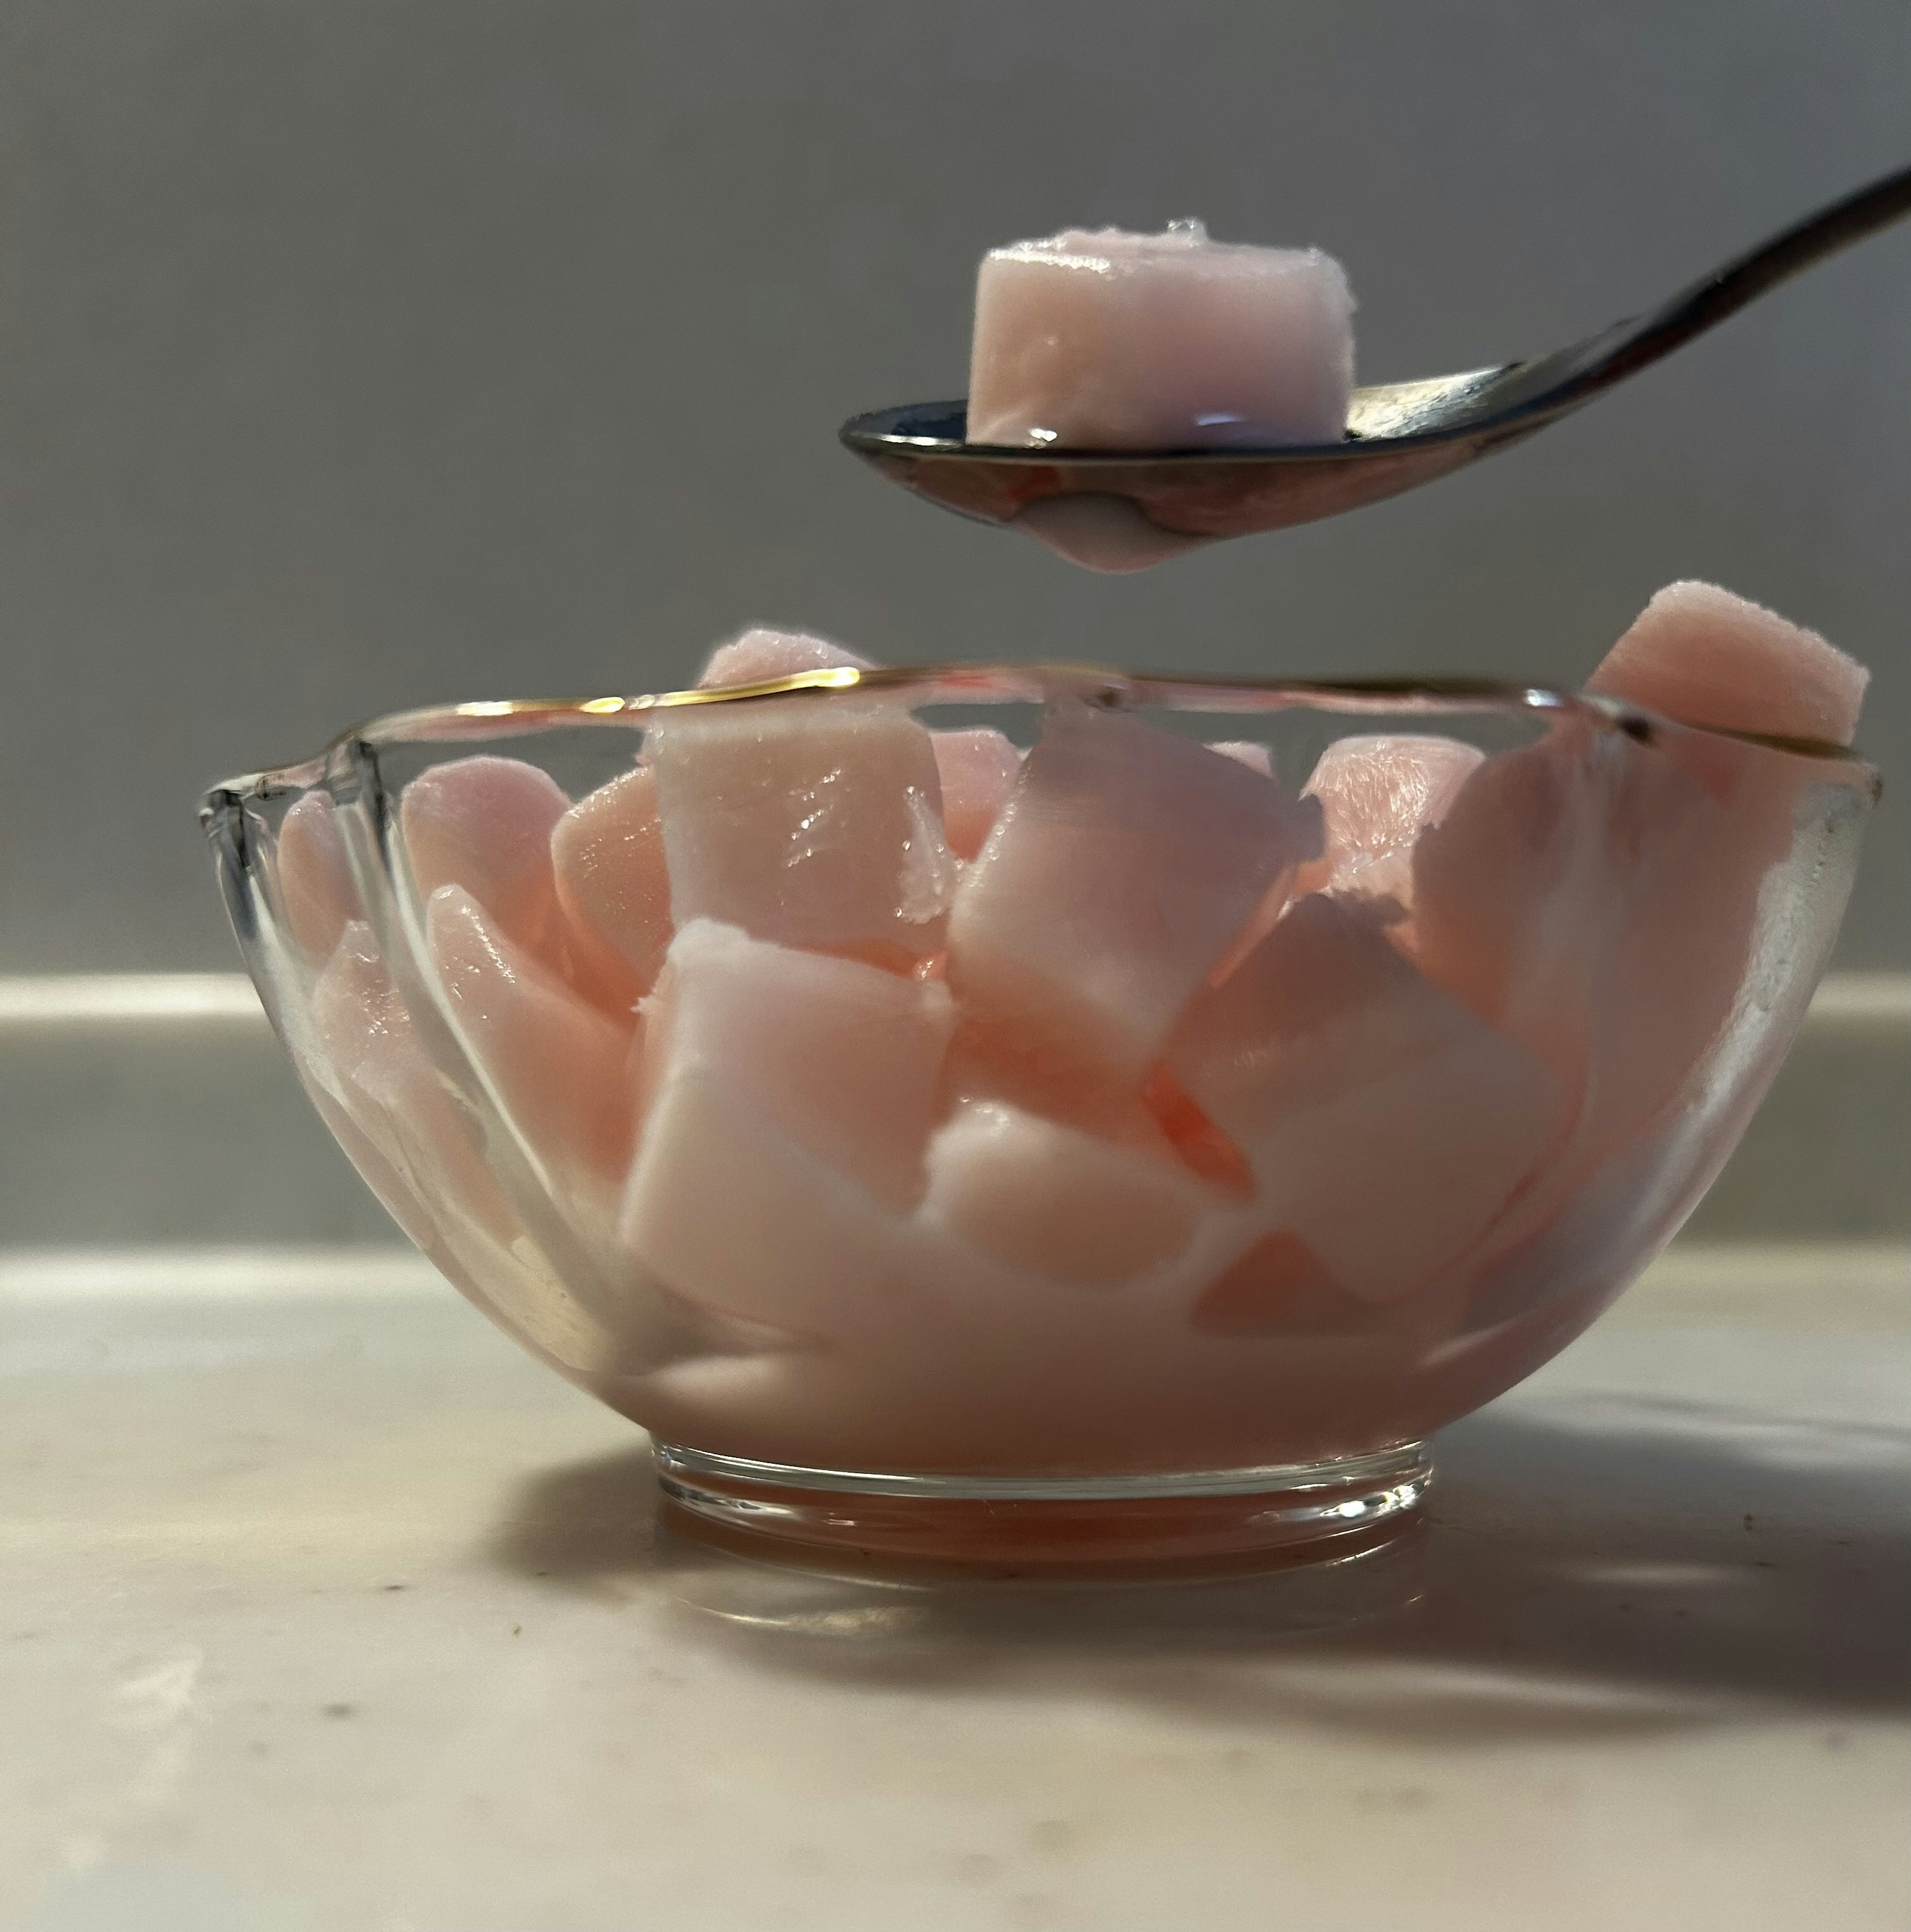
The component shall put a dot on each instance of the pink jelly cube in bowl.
(1121, 1153)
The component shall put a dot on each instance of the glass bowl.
(1136, 1173)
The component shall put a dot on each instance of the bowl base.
(1185, 1523)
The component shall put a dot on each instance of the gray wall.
(358, 353)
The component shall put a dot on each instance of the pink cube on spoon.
(1097, 339)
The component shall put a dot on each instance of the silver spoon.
(1116, 510)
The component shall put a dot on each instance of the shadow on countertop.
(1623, 1566)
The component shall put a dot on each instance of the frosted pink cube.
(1102, 340)
(760, 656)
(1763, 675)
(1379, 793)
(1596, 900)
(1127, 861)
(1601, 898)
(1700, 655)
(816, 825)
(842, 1058)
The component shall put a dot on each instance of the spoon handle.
(1630, 345)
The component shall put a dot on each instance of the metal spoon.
(1117, 510)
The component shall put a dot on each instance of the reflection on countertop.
(330, 1610)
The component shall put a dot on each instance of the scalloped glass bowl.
(1135, 1199)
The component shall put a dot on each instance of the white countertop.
(325, 1611)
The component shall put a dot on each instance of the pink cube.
(1102, 340)
(1700, 655)
(1378, 794)
(1126, 863)
(563, 1070)
(1519, 892)
(761, 654)
(1386, 1127)
(1060, 1203)
(844, 1058)
(978, 769)
(613, 888)
(729, 1212)
(485, 823)
(818, 826)
(315, 877)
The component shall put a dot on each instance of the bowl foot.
(1185, 1523)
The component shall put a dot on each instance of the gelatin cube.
(485, 823)
(613, 887)
(1055, 1201)
(1386, 1127)
(987, 1062)
(728, 1212)
(1378, 794)
(1124, 864)
(1102, 340)
(761, 656)
(1689, 827)
(316, 886)
(843, 1058)
(1700, 655)
(563, 1071)
(813, 824)
(977, 769)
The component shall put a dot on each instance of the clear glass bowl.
(1145, 1189)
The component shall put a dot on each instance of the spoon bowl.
(1121, 510)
